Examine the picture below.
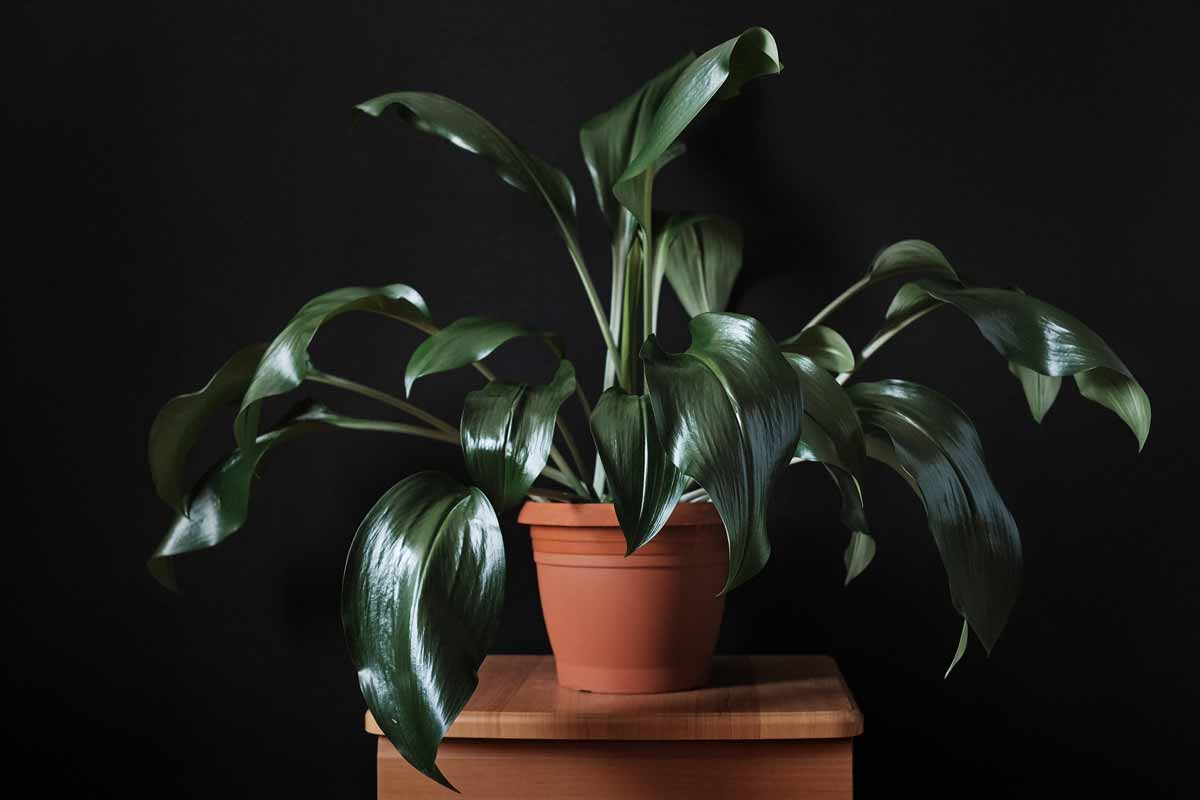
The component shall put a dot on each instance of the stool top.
(749, 697)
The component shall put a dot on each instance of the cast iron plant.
(718, 423)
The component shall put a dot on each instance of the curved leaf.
(701, 255)
(507, 431)
(1051, 342)
(645, 485)
(728, 411)
(718, 73)
(180, 422)
(832, 435)
(824, 346)
(910, 257)
(285, 364)
(421, 599)
(934, 443)
(462, 127)
(218, 506)
(460, 343)
(1040, 390)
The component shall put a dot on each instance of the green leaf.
(220, 502)
(728, 411)
(460, 343)
(701, 255)
(286, 364)
(832, 435)
(507, 431)
(181, 421)
(610, 140)
(823, 345)
(1042, 338)
(934, 443)
(718, 73)
(421, 600)
(462, 127)
(959, 652)
(1040, 390)
(645, 485)
(910, 257)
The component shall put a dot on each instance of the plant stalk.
(317, 376)
(837, 303)
(883, 337)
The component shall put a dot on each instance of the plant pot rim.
(604, 515)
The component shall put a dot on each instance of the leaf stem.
(317, 376)
(883, 337)
(837, 303)
(357, 424)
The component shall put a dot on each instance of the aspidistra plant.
(718, 423)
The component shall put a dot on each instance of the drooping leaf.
(286, 364)
(824, 346)
(645, 485)
(959, 651)
(908, 258)
(181, 421)
(721, 72)
(934, 443)
(1042, 338)
(728, 411)
(421, 599)
(832, 435)
(701, 256)
(460, 343)
(507, 430)
(218, 506)
(1040, 390)
(462, 127)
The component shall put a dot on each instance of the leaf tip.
(958, 654)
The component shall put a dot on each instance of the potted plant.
(672, 514)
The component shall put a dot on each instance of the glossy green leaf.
(1040, 390)
(728, 412)
(220, 502)
(181, 421)
(611, 140)
(442, 117)
(1042, 338)
(701, 256)
(286, 364)
(959, 651)
(719, 73)
(935, 444)
(824, 346)
(909, 258)
(645, 485)
(832, 435)
(507, 430)
(421, 600)
(460, 343)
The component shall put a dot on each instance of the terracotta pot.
(643, 623)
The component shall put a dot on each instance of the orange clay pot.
(643, 623)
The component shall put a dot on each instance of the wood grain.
(750, 698)
(589, 770)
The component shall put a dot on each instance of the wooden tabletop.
(749, 697)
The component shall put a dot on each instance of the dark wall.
(184, 176)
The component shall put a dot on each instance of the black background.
(184, 176)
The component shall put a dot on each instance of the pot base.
(633, 680)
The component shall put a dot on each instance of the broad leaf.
(832, 435)
(1040, 337)
(1040, 390)
(507, 431)
(934, 443)
(718, 73)
(645, 485)
(728, 411)
(220, 502)
(286, 364)
(701, 255)
(908, 258)
(462, 127)
(460, 343)
(181, 421)
(824, 346)
(421, 600)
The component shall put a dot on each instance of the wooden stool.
(766, 726)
